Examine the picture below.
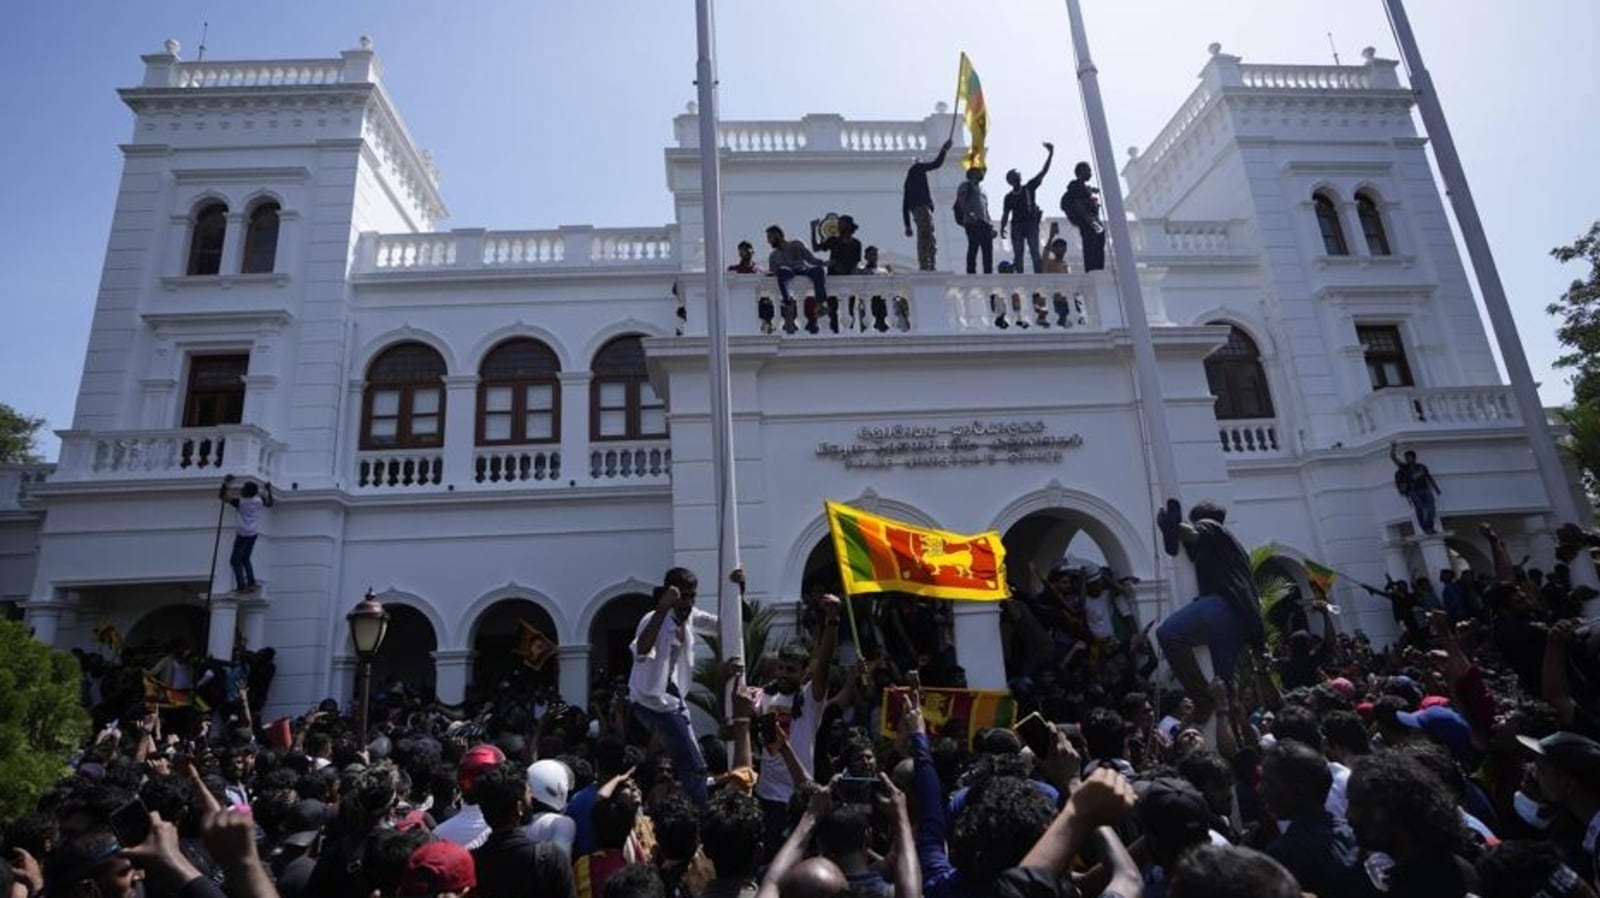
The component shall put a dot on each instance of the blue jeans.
(1209, 621)
(816, 273)
(243, 574)
(1025, 232)
(1423, 503)
(677, 737)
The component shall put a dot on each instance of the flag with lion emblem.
(877, 554)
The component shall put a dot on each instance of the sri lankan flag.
(970, 89)
(1320, 578)
(533, 647)
(957, 713)
(160, 695)
(877, 554)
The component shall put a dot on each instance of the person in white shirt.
(249, 503)
(663, 671)
(467, 827)
(796, 710)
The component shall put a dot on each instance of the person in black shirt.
(509, 857)
(1021, 209)
(916, 201)
(1412, 480)
(1081, 203)
(844, 257)
(1225, 616)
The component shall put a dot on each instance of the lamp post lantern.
(369, 623)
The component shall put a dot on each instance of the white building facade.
(494, 427)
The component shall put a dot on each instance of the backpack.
(960, 207)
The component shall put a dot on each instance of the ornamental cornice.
(252, 175)
(146, 100)
(414, 171)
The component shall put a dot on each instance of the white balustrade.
(273, 73)
(199, 452)
(611, 246)
(17, 480)
(1177, 128)
(523, 249)
(395, 470)
(1305, 77)
(919, 303)
(1444, 407)
(516, 465)
(1251, 438)
(414, 251)
(641, 460)
(881, 137)
(577, 247)
(762, 137)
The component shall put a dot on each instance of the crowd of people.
(1020, 220)
(1459, 761)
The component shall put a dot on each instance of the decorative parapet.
(818, 133)
(17, 482)
(475, 249)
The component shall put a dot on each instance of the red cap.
(475, 762)
(1433, 701)
(1365, 710)
(438, 867)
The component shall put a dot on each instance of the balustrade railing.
(1166, 237)
(268, 73)
(643, 460)
(1251, 438)
(575, 247)
(18, 480)
(870, 137)
(920, 303)
(1445, 407)
(197, 452)
(762, 137)
(1314, 77)
(516, 465)
(395, 470)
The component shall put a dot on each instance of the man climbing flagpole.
(727, 512)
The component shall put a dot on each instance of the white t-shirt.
(555, 828)
(775, 783)
(669, 662)
(1097, 611)
(467, 828)
(1337, 804)
(249, 522)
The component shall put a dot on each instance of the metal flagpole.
(1523, 389)
(1153, 406)
(722, 460)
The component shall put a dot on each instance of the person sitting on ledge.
(790, 258)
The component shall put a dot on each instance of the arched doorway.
(495, 639)
(1466, 556)
(611, 637)
(184, 625)
(1048, 536)
(406, 656)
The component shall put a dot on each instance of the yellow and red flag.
(970, 89)
(161, 695)
(1320, 578)
(956, 713)
(533, 647)
(877, 554)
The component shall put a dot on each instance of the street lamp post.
(369, 623)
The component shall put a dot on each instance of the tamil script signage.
(972, 444)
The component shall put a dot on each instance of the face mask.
(1535, 814)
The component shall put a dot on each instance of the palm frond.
(710, 687)
(1272, 591)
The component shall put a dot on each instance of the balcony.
(479, 251)
(1393, 410)
(915, 304)
(195, 453)
(1252, 439)
(17, 482)
(499, 468)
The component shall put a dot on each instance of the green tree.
(41, 719)
(1579, 331)
(18, 435)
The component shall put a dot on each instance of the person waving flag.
(970, 89)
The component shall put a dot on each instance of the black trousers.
(1094, 247)
(980, 238)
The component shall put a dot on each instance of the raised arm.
(1104, 799)
(1394, 453)
(645, 645)
(1049, 156)
(822, 658)
(1553, 676)
(794, 850)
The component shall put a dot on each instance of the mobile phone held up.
(855, 789)
(1036, 733)
(131, 823)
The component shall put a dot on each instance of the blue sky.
(542, 113)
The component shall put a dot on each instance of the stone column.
(233, 244)
(574, 660)
(575, 426)
(253, 622)
(977, 633)
(1434, 554)
(452, 668)
(460, 427)
(43, 617)
(1354, 237)
(224, 620)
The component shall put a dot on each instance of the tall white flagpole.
(722, 459)
(1152, 405)
(1523, 389)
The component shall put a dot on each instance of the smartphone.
(855, 789)
(1036, 733)
(131, 823)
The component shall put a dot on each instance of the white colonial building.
(488, 427)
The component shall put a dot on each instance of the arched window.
(519, 394)
(623, 405)
(261, 239)
(404, 402)
(1236, 378)
(205, 241)
(1372, 224)
(1333, 242)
